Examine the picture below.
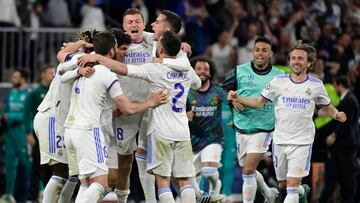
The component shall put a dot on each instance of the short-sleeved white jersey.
(138, 53)
(57, 99)
(294, 108)
(170, 119)
(89, 98)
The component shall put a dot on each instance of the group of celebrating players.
(115, 93)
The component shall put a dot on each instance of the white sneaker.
(7, 199)
(272, 198)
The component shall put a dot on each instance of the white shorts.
(211, 153)
(169, 158)
(291, 160)
(110, 141)
(252, 143)
(51, 139)
(126, 128)
(90, 150)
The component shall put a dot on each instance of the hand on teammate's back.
(158, 98)
(86, 71)
(85, 59)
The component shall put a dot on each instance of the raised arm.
(115, 66)
(70, 48)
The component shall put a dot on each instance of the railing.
(30, 49)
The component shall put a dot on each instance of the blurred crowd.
(224, 31)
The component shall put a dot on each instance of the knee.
(248, 170)
(112, 181)
(209, 172)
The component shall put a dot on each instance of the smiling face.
(299, 62)
(202, 69)
(134, 26)
(261, 54)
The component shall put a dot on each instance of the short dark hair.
(120, 36)
(45, 67)
(23, 73)
(263, 39)
(171, 43)
(173, 19)
(133, 11)
(342, 80)
(202, 58)
(103, 42)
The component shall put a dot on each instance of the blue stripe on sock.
(163, 190)
(189, 186)
(249, 176)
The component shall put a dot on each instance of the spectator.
(93, 16)
(223, 55)
(16, 149)
(342, 142)
(201, 30)
(57, 13)
(9, 16)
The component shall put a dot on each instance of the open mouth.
(134, 31)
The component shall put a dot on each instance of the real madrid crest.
(308, 91)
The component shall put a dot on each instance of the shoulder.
(312, 79)
(244, 66)
(277, 70)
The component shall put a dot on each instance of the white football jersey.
(57, 99)
(170, 119)
(138, 53)
(294, 108)
(89, 98)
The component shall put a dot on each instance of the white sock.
(68, 189)
(196, 187)
(122, 195)
(53, 189)
(301, 190)
(165, 196)
(106, 192)
(81, 191)
(249, 188)
(292, 195)
(212, 174)
(262, 186)
(187, 194)
(92, 194)
(147, 180)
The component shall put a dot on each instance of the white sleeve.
(270, 91)
(69, 76)
(146, 72)
(196, 82)
(70, 64)
(112, 84)
(322, 98)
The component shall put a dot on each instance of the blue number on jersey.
(177, 97)
(119, 133)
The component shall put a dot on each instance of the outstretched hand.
(340, 116)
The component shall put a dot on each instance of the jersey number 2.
(177, 97)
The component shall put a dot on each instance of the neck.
(167, 56)
(204, 86)
(298, 77)
(46, 84)
(261, 67)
